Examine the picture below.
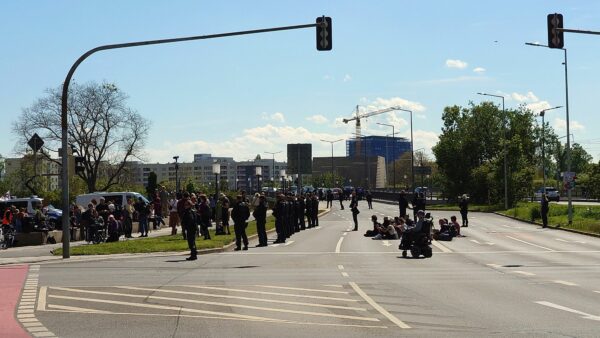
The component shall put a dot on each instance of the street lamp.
(258, 172)
(393, 148)
(273, 169)
(176, 174)
(505, 155)
(216, 169)
(282, 175)
(331, 142)
(543, 114)
(570, 206)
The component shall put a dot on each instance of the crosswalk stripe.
(243, 298)
(269, 293)
(319, 314)
(301, 289)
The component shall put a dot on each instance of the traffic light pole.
(322, 23)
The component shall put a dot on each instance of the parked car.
(552, 193)
(336, 192)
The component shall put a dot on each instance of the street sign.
(569, 179)
(35, 142)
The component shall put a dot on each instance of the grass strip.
(161, 243)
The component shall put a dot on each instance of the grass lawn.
(162, 243)
(585, 217)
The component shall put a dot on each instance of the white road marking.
(341, 286)
(563, 240)
(525, 273)
(42, 298)
(496, 266)
(275, 245)
(338, 247)
(440, 246)
(302, 289)
(341, 267)
(345, 274)
(528, 243)
(377, 307)
(288, 243)
(268, 293)
(564, 283)
(232, 305)
(245, 298)
(475, 241)
(75, 309)
(344, 234)
(564, 308)
(386, 243)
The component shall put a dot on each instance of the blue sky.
(245, 95)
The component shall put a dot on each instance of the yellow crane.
(362, 116)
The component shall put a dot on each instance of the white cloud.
(318, 119)
(528, 97)
(381, 103)
(327, 77)
(537, 107)
(277, 117)
(450, 63)
(479, 70)
(347, 78)
(561, 125)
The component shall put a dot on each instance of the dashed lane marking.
(440, 246)
(341, 267)
(345, 274)
(377, 307)
(288, 243)
(562, 282)
(564, 308)
(275, 245)
(563, 240)
(338, 247)
(386, 243)
(528, 243)
(496, 266)
(524, 273)
(231, 305)
(25, 311)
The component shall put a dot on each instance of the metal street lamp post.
(273, 169)
(393, 148)
(412, 152)
(569, 196)
(176, 174)
(505, 154)
(543, 114)
(258, 172)
(216, 169)
(282, 175)
(332, 142)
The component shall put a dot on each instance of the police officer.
(301, 207)
(188, 222)
(240, 214)
(308, 210)
(354, 209)
(279, 214)
(260, 215)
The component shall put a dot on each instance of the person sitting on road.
(376, 225)
(386, 230)
(113, 229)
(454, 223)
(399, 224)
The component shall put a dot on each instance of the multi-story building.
(390, 148)
(246, 173)
(356, 171)
(24, 168)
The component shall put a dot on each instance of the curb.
(554, 227)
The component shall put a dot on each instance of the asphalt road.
(504, 279)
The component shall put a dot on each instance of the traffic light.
(324, 38)
(555, 37)
(79, 164)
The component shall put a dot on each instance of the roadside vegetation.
(585, 218)
(162, 244)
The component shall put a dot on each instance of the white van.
(117, 198)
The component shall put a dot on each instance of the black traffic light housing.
(79, 164)
(324, 38)
(555, 36)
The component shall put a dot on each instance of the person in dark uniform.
(354, 209)
(308, 210)
(295, 215)
(329, 198)
(315, 211)
(402, 204)
(260, 215)
(341, 198)
(464, 210)
(279, 214)
(289, 211)
(369, 198)
(418, 203)
(240, 214)
(204, 212)
(545, 207)
(301, 208)
(188, 222)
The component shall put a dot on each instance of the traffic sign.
(35, 142)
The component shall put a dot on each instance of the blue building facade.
(388, 147)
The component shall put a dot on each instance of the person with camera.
(354, 209)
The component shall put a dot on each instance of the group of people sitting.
(393, 228)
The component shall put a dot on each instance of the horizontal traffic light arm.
(567, 30)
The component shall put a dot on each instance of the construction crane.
(362, 116)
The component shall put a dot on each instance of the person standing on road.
(279, 214)
(369, 199)
(204, 212)
(545, 206)
(225, 215)
(188, 222)
(341, 198)
(173, 215)
(300, 209)
(329, 197)
(464, 210)
(315, 211)
(260, 215)
(354, 209)
(240, 214)
(402, 204)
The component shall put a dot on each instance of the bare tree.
(102, 129)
